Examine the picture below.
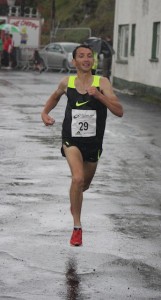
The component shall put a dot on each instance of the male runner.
(89, 97)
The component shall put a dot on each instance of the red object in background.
(2, 35)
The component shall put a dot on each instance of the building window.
(155, 41)
(133, 31)
(123, 41)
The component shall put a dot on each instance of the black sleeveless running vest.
(77, 101)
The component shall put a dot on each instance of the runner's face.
(84, 59)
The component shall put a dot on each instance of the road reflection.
(72, 280)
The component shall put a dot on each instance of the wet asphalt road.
(121, 254)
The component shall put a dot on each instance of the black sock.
(77, 227)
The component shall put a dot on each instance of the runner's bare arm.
(107, 96)
(53, 101)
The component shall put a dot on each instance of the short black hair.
(81, 46)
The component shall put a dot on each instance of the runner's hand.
(93, 91)
(47, 119)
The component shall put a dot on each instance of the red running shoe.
(76, 238)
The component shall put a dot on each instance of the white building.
(137, 42)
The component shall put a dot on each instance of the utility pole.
(52, 15)
(22, 7)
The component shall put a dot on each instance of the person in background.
(38, 61)
(1, 47)
(107, 51)
(95, 64)
(88, 98)
(6, 45)
(11, 49)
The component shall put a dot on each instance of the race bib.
(83, 123)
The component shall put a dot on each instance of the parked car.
(58, 55)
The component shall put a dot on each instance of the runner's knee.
(78, 180)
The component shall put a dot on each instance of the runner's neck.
(82, 83)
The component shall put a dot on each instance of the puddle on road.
(137, 225)
(19, 183)
(54, 157)
(72, 280)
(4, 82)
(45, 139)
(151, 276)
(76, 274)
(33, 197)
(27, 105)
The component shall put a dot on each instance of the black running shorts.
(90, 152)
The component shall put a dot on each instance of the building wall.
(138, 68)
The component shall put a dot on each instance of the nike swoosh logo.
(81, 103)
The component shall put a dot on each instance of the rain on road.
(121, 254)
